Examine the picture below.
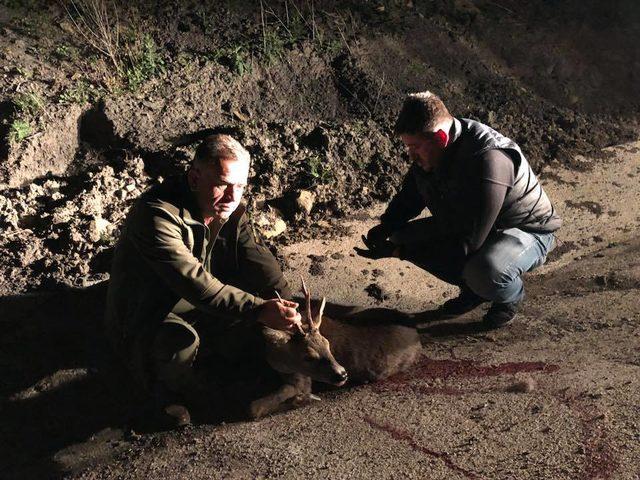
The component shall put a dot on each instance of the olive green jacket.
(167, 258)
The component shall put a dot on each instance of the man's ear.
(442, 138)
(193, 174)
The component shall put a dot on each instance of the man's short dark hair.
(217, 147)
(421, 113)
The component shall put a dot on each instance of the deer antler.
(307, 297)
(320, 312)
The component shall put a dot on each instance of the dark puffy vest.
(450, 189)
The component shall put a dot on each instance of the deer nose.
(340, 376)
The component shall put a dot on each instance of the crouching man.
(186, 248)
(490, 222)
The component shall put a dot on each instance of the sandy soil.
(554, 395)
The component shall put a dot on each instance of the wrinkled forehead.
(230, 170)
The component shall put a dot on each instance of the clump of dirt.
(592, 207)
(60, 230)
(376, 292)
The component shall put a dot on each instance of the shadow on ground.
(53, 392)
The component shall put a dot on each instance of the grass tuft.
(18, 131)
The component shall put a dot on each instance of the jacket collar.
(451, 151)
(189, 210)
(456, 131)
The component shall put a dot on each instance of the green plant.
(80, 93)
(65, 52)
(416, 68)
(204, 17)
(30, 104)
(131, 52)
(331, 47)
(273, 46)
(144, 62)
(238, 59)
(318, 169)
(25, 73)
(19, 130)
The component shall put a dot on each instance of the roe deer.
(299, 358)
(372, 344)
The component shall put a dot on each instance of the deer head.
(306, 351)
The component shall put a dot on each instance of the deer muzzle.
(339, 377)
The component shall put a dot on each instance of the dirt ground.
(554, 395)
(313, 93)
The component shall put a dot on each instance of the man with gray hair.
(490, 222)
(187, 266)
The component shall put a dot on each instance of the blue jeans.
(494, 272)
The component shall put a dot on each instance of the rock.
(270, 224)
(305, 201)
(316, 269)
(525, 385)
(99, 227)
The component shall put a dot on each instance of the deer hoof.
(303, 399)
(256, 410)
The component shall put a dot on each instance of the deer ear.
(320, 312)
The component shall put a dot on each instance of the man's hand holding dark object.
(376, 235)
(279, 314)
(378, 245)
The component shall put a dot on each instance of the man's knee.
(175, 347)
(484, 276)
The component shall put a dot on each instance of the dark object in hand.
(377, 235)
(382, 249)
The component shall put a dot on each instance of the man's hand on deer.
(280, 315)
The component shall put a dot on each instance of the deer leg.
(273, 402)
(303, 386)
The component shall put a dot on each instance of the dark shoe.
(169, 409)
(500, 314)
(463, 303)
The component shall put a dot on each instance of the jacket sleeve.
(406, 204)
(258, 266)
(496, 177)
(157, 236)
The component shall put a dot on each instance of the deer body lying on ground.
(372, 344)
